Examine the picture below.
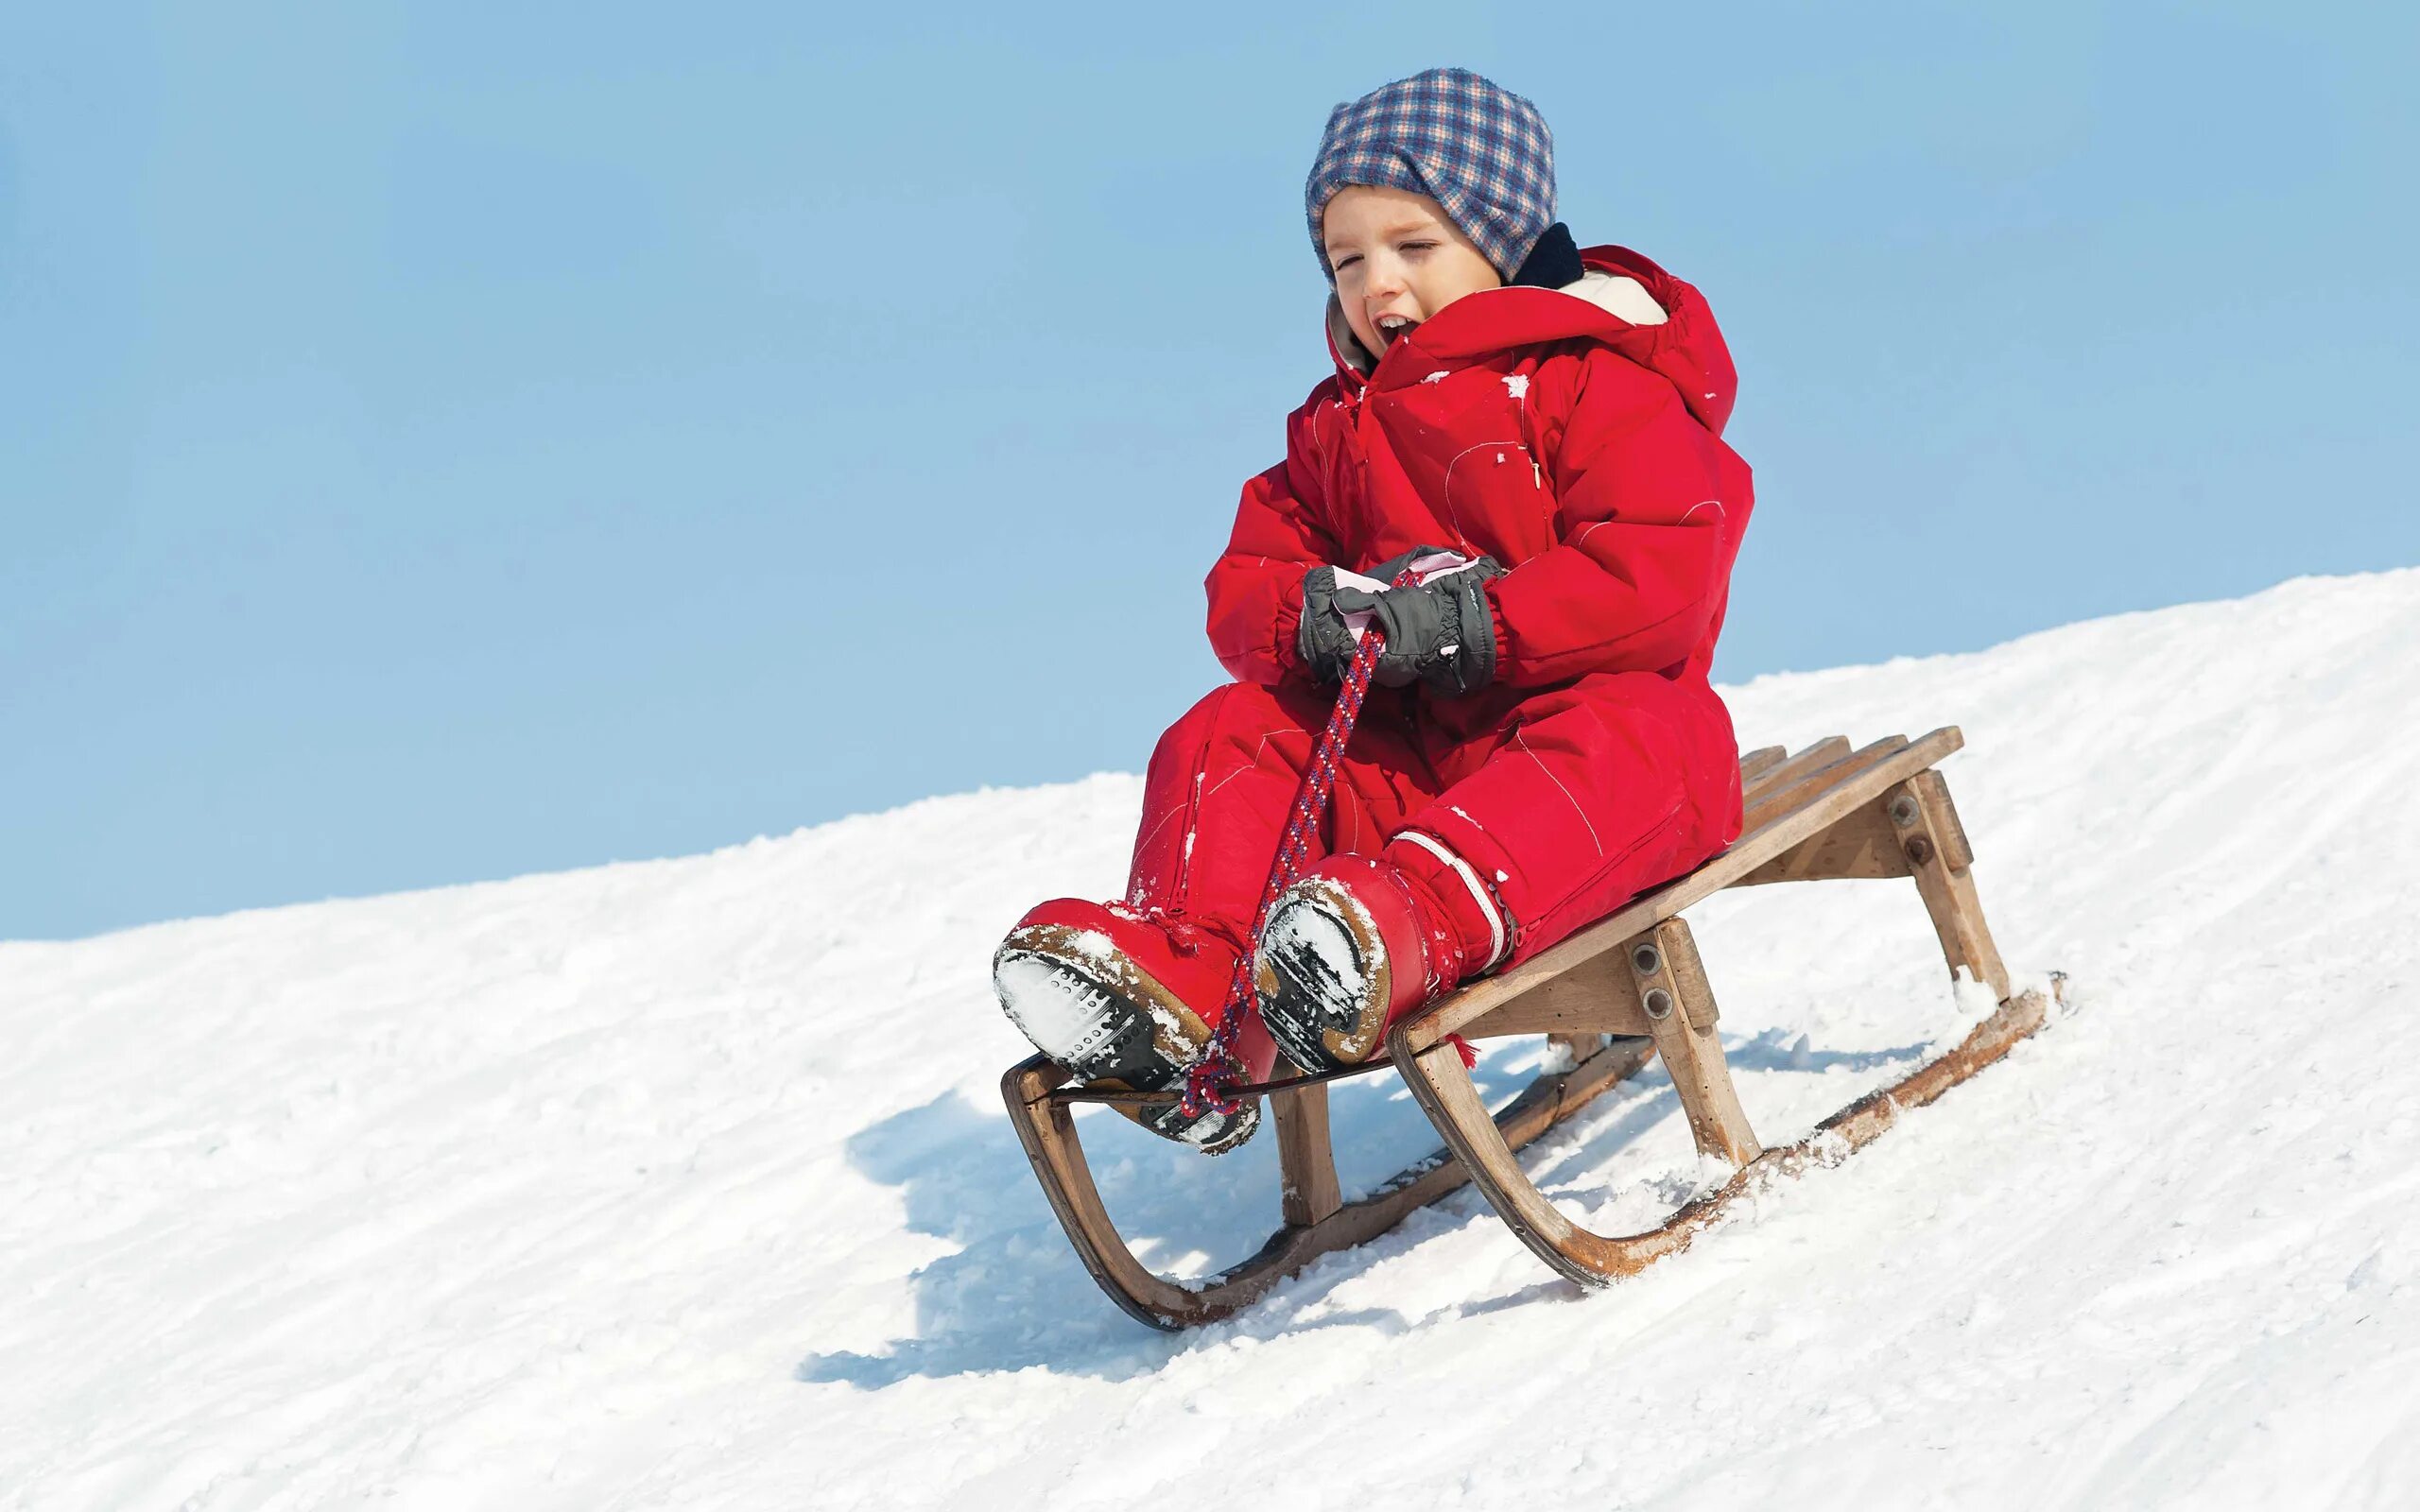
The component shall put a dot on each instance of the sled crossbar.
(1623, 990)
(1251, 1089)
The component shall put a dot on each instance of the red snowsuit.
(1582, 451)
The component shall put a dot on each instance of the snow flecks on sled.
(1627, 988)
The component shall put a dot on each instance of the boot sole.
(1087, 1006)
(1322, 975)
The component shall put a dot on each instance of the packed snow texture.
(685, 1184)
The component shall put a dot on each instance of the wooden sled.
(1626, 988)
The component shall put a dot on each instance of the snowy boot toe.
(1357, 943)
(1104, 993)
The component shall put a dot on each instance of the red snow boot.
(1357, 943)
(1128, 1000)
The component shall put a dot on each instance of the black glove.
(1325, 643)
(1442, 634)
(1324, 639)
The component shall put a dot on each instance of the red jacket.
(1578, 446)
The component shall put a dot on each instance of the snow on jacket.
(1574, 435)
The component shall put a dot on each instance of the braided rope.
(1208, 1079)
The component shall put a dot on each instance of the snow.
(1054, 1006)
(684, 1184)
(1296, 932)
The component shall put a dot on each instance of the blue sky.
(444, 441)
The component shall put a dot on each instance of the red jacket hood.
(1685, 347)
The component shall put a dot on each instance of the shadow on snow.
(1013, 1294)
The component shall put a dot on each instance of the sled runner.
(1626, 988)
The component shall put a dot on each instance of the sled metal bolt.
(1658, 1003)
(1903, 811)
(1919, 850)
(1645, 961)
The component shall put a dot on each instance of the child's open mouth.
(1392, 326)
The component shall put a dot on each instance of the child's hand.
(1325, 638)
(1439, 631)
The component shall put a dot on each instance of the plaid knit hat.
(1483, 152)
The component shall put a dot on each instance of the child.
(1533, 430)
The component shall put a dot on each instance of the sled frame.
(1625, 989)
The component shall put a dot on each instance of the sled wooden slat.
(1664, 966)
(1779, 833)
(1938, 854)
(1046, 1126)
(1791, 769)
(1592, 997)
(1444, 1086)
(1626, 988)
(1775, 799)
(1757, 763)
(1934, 849)
(1304, 1160)
(1861, 843)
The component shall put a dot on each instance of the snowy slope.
(684, 1184)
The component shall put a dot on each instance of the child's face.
(1399, 259)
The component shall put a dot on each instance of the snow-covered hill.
(684, 1184)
